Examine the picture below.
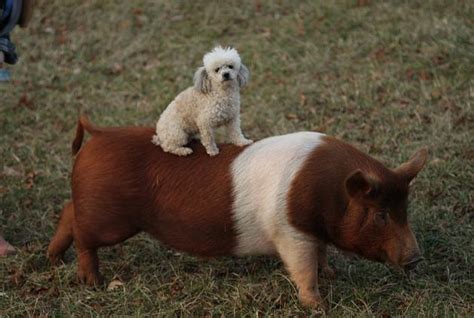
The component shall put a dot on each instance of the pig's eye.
(381, 218)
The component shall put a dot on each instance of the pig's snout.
(412, 261)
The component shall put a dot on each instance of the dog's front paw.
(182, 151)
(212, 151)
(155, 140)
(244, 142)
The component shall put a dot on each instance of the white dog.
(213, 101)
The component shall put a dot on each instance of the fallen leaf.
(114, 284)
(124, 24)
(303, 99)
(30, 180)
(363, 3)
(426, 76)
(17, 277)
(258, 6)
(62, 37)
(10, 172)
(380, 54)
(469, 154)
(137, 11)
(436, 93)
(437, 161)
(439, 59)
(176, 287)
(116, 69)
(409, 73)
(300, 26)
(49, 30)
(291, 116)
(25, 101)
(266, 32)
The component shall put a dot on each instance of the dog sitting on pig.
(287, 195)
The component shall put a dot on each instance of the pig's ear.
(360, 184)
(412, 167)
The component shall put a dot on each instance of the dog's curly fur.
(213, 101)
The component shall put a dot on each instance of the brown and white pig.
(287, 195)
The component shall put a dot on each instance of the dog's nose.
(226, 76)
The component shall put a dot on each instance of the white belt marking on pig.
(262, 175)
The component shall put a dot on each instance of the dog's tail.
(82, 124)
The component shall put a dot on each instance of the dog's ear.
(202, 82)
(243, 76)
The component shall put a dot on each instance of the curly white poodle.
(213, 101)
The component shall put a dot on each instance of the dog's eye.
(231, 66)
(217, 69)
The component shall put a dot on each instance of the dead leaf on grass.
(62, 36)
(25, 101)
(116, 69)
(380, 54)
(266, 32)
(300, 25)
(303, 99)
(363, 3)
(10, 172)
(30, 179)
(426, 76)
(409, 73)
(291, 116)
(258, 6)
(115, 284)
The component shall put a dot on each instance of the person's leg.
(5, 248)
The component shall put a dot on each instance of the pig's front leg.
(300, 259)
(322, 259)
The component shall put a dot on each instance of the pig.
(288, 196)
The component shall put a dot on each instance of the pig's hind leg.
(63, 237)
(92, 232)
(88, 267)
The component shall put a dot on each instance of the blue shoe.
(4, 75)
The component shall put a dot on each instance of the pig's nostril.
(411, 264)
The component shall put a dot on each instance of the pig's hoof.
(90, 279)
(312, 300)
(55, 260)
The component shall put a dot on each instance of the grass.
(387, 76)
